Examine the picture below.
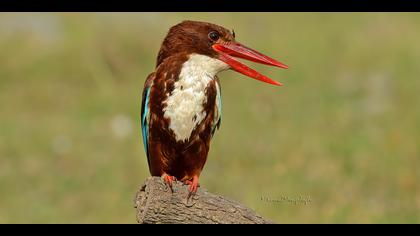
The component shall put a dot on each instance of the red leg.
(168, 179)
(193, 184)
(189, 182)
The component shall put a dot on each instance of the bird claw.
(169, 179)
(192, 186)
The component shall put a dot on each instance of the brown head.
(194, 37)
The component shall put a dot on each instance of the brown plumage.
(184, 160)
(191, 37)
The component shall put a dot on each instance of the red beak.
(232, 49)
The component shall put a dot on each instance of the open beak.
(233, 49)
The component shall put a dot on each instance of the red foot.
(193, 184)
(168, 180)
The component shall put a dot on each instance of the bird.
(181, 104)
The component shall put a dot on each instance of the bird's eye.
(214, 35)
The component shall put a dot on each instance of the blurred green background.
(343, 133)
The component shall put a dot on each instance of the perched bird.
(181, 103)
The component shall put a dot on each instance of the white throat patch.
(184, 106)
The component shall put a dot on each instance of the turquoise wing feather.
(145, 115)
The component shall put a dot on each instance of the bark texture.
(155, 203)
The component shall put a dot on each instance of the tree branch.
(155, 203)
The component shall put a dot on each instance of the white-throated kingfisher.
(181, 104)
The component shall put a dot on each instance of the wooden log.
(155, 203)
